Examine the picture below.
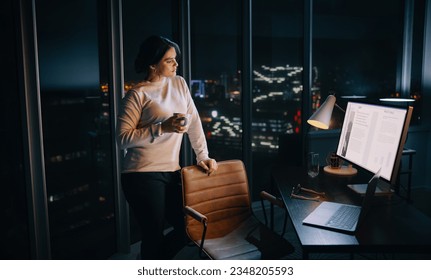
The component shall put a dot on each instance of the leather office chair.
(219, 217)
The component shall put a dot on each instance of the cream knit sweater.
(142, 110)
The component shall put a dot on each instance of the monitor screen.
(373, 136)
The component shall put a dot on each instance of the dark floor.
(420, 197)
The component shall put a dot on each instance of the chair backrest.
(222, 197)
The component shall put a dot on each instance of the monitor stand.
(383, 188)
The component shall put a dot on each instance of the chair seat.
(234, 244)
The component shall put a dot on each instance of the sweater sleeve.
(130, 130)
(195, 131)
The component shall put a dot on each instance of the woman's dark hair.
(152, 51)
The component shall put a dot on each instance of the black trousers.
(156, 197)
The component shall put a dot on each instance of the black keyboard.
(345, 217)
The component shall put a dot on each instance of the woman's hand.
(174, 124)
(209, 165)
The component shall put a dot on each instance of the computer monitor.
(373, 136)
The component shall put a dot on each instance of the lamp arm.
(336, 105)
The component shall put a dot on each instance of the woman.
(151, 132)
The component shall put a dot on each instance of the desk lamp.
(321, 119)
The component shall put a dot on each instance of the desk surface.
(391, 225)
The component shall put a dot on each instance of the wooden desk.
(391, 226)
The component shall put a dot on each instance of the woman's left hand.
(209, 165)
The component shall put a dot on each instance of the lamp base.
(342, 171)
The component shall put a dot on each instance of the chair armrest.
(274, 200)
(195, 215)
(203, 220)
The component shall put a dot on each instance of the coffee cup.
(333, 160)
(183, 118)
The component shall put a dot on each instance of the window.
(277, 85)
(357, 47)
(216, 74)
(73, 59)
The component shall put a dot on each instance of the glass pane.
(215, 74)
(142, 19)
(73, 57)
(356, 50)
(277, 84)
(14, 235)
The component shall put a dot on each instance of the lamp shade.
(322, 117)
